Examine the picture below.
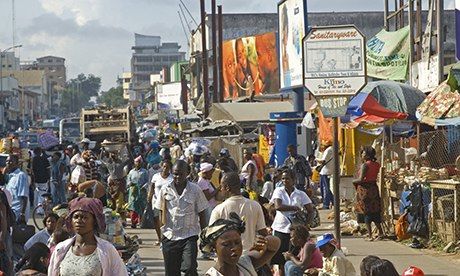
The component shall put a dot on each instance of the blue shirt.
(18, 186)
(42, 236)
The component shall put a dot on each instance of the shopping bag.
(147, 221)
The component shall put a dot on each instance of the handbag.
(298, 218)
(320, 167)
(22, 233)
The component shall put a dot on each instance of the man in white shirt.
(248, 210)
(183, 206)
(325, 174)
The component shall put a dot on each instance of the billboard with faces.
(250, 66)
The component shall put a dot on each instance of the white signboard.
(425, 74)
(334, 61)
(291, 18)
(169, 96)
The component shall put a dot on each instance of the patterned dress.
(368, 203)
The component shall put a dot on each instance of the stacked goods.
(114, 231)
(427, 173)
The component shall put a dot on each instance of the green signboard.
(388, 55)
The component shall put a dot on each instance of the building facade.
(9, 61)
(56, 76)
(151, 56)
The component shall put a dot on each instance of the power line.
(183, 28)
(185, 18)
(189, 13)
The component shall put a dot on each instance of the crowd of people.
(252, 220)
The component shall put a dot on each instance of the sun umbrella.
(382, 100)
(441, 107)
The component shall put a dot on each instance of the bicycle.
(46, 206)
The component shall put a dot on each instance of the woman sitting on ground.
(224, 238)
(35, 261)
(309, 256)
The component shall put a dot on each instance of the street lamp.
(1, 74)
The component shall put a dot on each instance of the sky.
(96, 36)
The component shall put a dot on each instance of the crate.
(445, 197)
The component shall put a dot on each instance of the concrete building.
(56, 75)
(33, 84)
(150, 56)
(126, 84)
(9, 61)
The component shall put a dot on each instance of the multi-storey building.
(151, 56)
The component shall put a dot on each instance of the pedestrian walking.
(287, 200)
(158, 181)
(57, 185)
(35, 261)
(204, 182)
(183, 206)
(326, 171)
(43, 235)
(6, 222)
(245, 208)
(226, 161)
(300, 166)
(18, 187)
(249, 171)
(41, 176)
(137, 180)
(368, 203)
(86, 253)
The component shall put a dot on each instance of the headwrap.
(90, 205)
(210, 234)
(138, 159)
(206, 167)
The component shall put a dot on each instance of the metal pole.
(215, 78)
(440, 37)
(1, 92)
(221, 55)
(411, 37)
(336, 181)
(204, 53)
(385, 14)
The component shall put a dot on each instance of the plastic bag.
(147, 221)
(401, 228)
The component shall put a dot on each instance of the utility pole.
(221, 57)
(204, 55)
(215, 78)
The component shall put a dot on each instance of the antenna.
(189, 12)
(13, 22)
(183, 27)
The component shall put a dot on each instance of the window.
(50, 60)
(143, 78)
(144, 59)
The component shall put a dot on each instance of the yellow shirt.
(337, 265)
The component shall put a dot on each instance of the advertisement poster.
(169, 96)
(250, 66)
(291, 16)
(388, 55)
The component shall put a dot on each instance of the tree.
(113, 97)
(79, 91)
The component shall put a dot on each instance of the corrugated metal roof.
(247, 112)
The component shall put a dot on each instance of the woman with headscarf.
(137, 180)
(153, 156)
(35, 261)
(85, 253)
(224, 238)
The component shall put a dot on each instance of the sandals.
(369, 239)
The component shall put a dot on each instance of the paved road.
(401, 255)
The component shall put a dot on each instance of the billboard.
(250, 66)
(169, 96)
(292, 22)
